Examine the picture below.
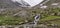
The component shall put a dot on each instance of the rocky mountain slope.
(11, 14)
(7, 4)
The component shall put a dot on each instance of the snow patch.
(30, 2)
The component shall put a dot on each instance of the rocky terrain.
(12, 14)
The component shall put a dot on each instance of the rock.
(20, 13)
(44, 7)
(58, 13)
(54, 4)
(52, 14)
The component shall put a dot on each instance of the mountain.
(10, 4)
(49, 4)
(7, 4)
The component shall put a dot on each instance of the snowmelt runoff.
(30, 2)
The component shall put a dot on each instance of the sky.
(31, 2)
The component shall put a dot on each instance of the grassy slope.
(50, 18)
(10, 20)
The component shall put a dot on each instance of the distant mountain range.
(10, 4)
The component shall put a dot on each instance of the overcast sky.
(30, 2)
